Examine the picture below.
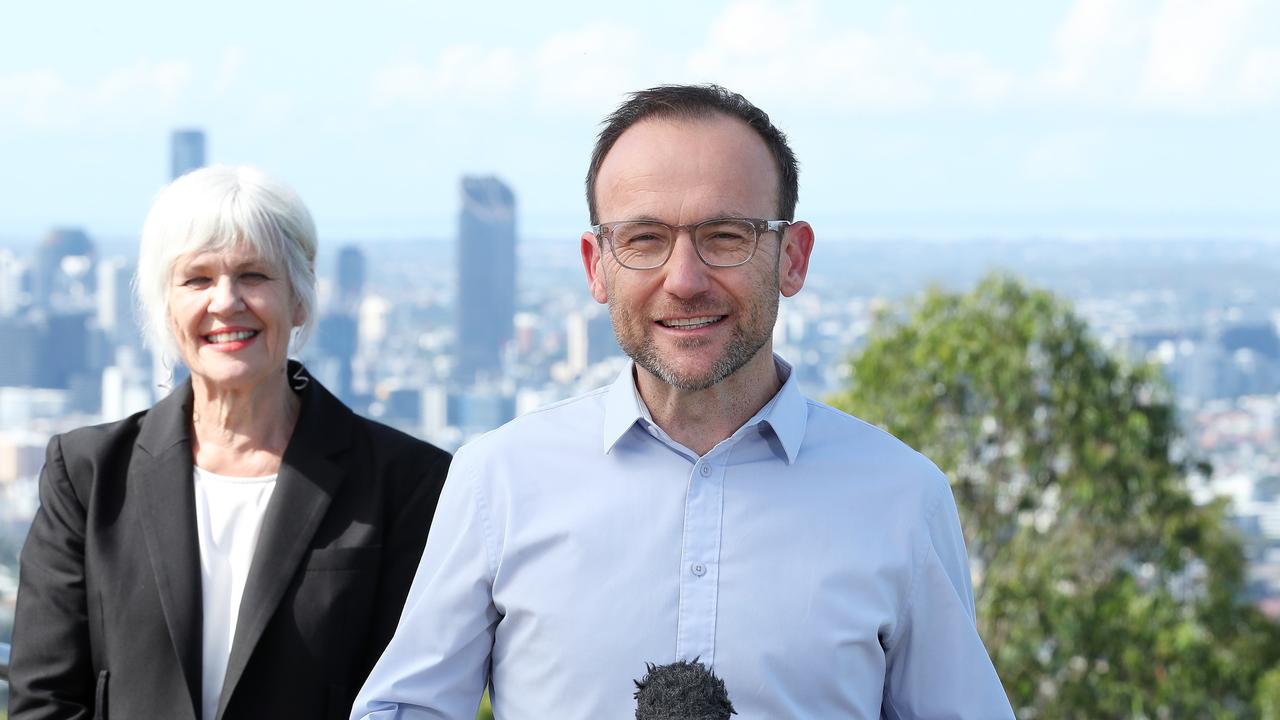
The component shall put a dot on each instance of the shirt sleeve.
(937, 666)
(437, 663)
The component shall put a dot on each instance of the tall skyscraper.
(186, 152)
(349, 285)
(115, 303)
(338, 331)
(12, 271)
(64, 272)
(486, 277)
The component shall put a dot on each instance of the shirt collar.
(785, 414)
(788, 412)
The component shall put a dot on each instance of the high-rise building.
(115, 303)
(12, 271)
(486, 277)
(336, 340)
(349, 285)
(64, 270)
(186, 152)
(338, 329)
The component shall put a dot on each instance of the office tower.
(12, 271)
(186, 152)
(486, 277)
(115, 302)
(21, 339)
(349, 285)
(64, 273)
(338, 331)
(337, 335)
(589, 339)
(65, 350)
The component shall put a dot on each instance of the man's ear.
(793, 265)
(593, 262)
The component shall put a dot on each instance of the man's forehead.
(716, 155)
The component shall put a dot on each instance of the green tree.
(1267, 697)
(1102, 590)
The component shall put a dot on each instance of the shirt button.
(699, 569)
(705, 470)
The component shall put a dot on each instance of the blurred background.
(1048, 250)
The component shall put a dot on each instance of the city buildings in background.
(449, 337)
(186, 152)
(486, 289)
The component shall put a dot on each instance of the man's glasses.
(722, 243)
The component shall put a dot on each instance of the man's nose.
(686, 274)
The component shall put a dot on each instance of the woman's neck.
(242, 431)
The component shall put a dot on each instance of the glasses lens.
(641, 244)
(726, 242)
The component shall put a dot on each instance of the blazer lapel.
(307, 481)
(161, 477)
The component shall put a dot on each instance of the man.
(700, 507)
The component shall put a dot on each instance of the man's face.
(689, 324)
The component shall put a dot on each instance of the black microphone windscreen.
(682, 690)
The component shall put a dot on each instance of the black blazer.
(108, 621)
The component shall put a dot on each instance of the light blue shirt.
(812, 560)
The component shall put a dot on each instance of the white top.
(812, 560)
(229, 514)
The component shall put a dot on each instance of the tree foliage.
(1103, 590)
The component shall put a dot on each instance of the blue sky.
(1082, 117)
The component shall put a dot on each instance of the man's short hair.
(698, 102)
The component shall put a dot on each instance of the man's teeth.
(231, 336)
(686, 323)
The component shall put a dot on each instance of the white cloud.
(764, 48)
(229, 71)
(142, 83)
(1063, 157)
(1164, 54)
(592, 66)
(1259, 79)
(788, 49)
(459, 72)
(32, 98)
(1193, 44)
(1096, 42)
(45, 99)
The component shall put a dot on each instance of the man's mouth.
(233, 336)
(692, 323)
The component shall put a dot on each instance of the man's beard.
(752, 329)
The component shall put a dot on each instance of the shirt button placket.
(700, 556)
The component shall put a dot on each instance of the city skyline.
(1149, 117)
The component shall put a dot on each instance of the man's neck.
(699, 419)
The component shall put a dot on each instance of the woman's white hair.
(221, 208)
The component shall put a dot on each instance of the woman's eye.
(196, 281)
(255, 276)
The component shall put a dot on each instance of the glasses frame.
(604, 234)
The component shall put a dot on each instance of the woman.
(243, 548)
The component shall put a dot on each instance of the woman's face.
(231, 313)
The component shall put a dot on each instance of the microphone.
(682, 690)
